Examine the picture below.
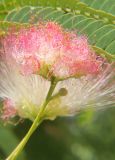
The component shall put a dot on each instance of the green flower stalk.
(36, 123)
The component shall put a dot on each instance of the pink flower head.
(64, 53)
(9, 110)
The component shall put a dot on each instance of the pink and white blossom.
(30, 57)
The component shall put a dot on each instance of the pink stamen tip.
(9, 110)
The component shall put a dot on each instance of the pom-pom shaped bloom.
(31, 57)
(48, 49)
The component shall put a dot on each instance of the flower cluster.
(49, 47)
(31, 56)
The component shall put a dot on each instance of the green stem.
(35, 124)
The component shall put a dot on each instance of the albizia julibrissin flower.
(31, 57)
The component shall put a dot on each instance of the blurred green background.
(87, 136)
